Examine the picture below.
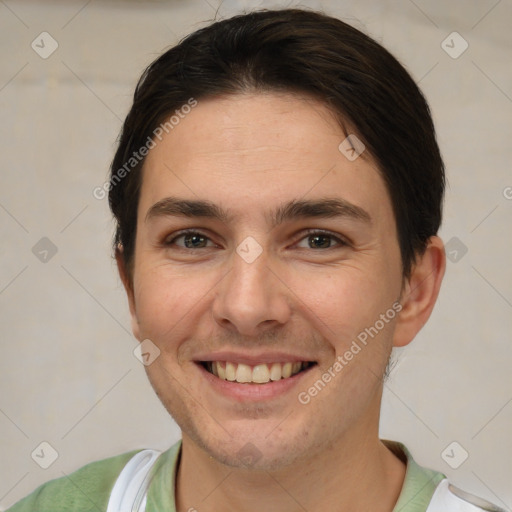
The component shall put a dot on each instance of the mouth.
(261, 373)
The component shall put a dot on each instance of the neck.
(356, 473)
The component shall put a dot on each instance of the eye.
(190, 240)
(321, 240)
(315, 239)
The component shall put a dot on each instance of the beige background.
(68, 375)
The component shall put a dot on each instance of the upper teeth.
(260, 373)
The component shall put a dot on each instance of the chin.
(250, 457)
(254, 448)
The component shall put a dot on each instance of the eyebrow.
(295, 209)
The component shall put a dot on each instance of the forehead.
(249, 151)
(252, 128)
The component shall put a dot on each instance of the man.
(277, 190)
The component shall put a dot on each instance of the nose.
(251, 299)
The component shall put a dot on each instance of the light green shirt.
(88, 489)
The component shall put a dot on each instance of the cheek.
(165, 298)
(345, 308)
(340, 300)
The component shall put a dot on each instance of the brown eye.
(190, 240)
(321, 240)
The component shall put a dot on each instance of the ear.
(128, 286)
(420, 292)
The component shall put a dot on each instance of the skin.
(250, 154)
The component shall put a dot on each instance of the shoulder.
(425, 490)
(449, 497)
(87, 489)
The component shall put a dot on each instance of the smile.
(258, 374)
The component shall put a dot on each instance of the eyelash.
(309, 233)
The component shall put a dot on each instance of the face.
(263, 256)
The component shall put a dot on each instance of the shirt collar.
(417, 490)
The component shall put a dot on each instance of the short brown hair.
(306, 52)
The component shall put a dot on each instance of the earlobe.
(420, 292)
(128, 286)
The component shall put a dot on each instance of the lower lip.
(252, 392)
